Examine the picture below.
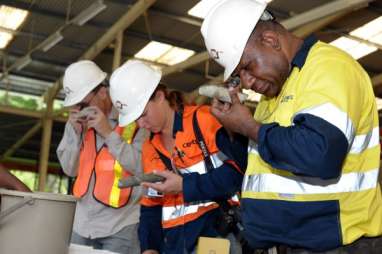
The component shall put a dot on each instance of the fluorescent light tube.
(51, 41)
(89, 13)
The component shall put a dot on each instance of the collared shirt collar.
(178, 122)
(301, 55)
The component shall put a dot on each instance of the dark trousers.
(364, 245)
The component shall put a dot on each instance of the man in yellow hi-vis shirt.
(311, 182)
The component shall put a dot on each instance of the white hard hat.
(227, 28)
(131, 87)
(80, 79)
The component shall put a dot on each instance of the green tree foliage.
(20, 102)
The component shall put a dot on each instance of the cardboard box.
(207, 245)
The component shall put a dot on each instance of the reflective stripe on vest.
(348, 182)
(174, 212)
(333, 115)
(186, 158)
(200, 167)
(183, 213)
(106, 189)
(115, 190)
(171, 215)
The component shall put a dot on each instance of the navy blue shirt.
(311, 146)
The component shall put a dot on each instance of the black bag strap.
(166, 161)
(206, 155)
(201, 142)
(224, 205)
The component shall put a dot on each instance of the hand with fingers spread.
(235, 117)
(76, 121)
(173, 183)
(97, 120)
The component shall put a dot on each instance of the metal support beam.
(323, 11)
(367, 42)
(29, 134)
(27, 113)
(118, 50)
(20, 111)
(183, 19)
(17, 124)
(53, 166)
(45, 142)
(309, 28)
(39, 62)
(48, 12)
(194, 60)
(179, 43)
(125, 21)
(290, 24)
(38, 36)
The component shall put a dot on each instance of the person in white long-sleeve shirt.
(98, 153)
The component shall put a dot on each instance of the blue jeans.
(124, 242)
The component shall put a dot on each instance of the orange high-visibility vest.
(106, 168)
(189, 159)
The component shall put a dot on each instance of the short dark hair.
(267, 25)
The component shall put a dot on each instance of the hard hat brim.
(124, 120)
(79, 96)
(229, 69)
(227, 28)
(243, 43)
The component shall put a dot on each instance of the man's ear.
(159, 96)
(270, 38)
